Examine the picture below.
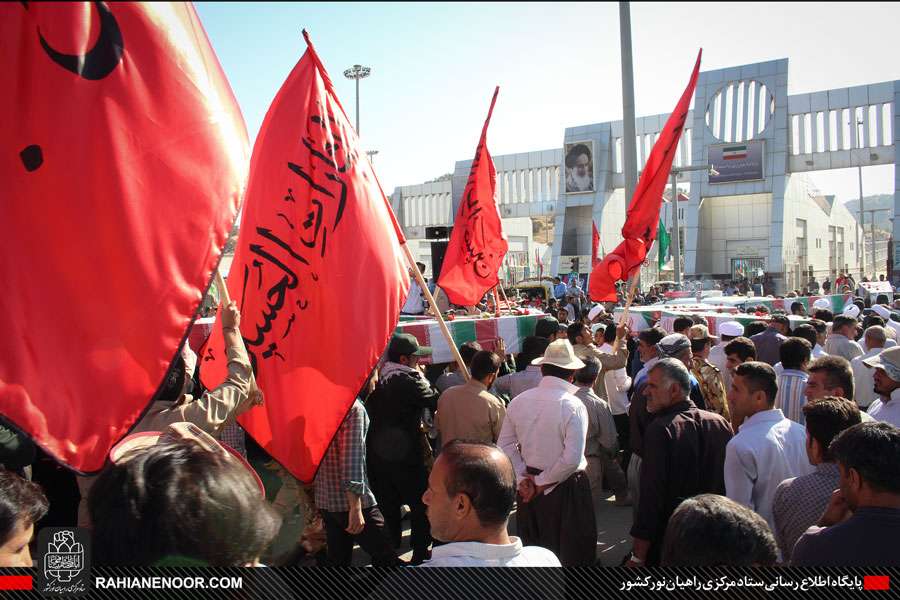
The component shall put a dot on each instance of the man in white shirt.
(887, 386)
(768, 448)
(727, 332)
(544, 435)
(617, 383)
(415, 301)
(470, 495)
(863, 376)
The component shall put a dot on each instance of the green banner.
(663, 243)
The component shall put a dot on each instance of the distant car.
(535, 288)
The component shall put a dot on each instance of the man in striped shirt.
(795, 354)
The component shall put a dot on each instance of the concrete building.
(431, 205)
(761, 213)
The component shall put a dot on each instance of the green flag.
(663, 239)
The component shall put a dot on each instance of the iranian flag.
(513, 330)
(734, 152)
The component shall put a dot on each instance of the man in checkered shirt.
(345, 500)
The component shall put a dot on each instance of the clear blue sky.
(434, 66)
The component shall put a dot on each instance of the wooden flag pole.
(624, 319)
(440, 318)
(496, 302)
(226, 300)
(508, 305)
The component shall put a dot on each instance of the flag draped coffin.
(125, 157)
(642, 218)
(318, 271)
(477, 245)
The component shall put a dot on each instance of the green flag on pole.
(663, 242)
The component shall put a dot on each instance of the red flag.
(477, 245)
(316, 229)
(642, 218)
(125, 155)
(595, 245)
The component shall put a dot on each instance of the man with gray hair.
(684, 455)
(678, 346)
(863, 376)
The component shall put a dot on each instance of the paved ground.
(613, 541)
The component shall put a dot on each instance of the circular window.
(740, 111)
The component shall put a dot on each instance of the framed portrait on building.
(579, 162)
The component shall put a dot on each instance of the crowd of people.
(767, 444)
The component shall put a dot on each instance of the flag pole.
(496, 302)
(437, 314)
(624, 318)
(226, 300)
(508, 305)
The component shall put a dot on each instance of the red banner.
(318, 271)
(125, 156)
(642, 218)
(477, 245)
(595, 245)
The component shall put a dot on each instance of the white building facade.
(762, 212)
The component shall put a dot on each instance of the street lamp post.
(676, 237)
(872, 212)
(357, 72)
(862, 223)
(371, 154)
(629, 140)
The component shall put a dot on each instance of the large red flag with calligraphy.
(642, 218)
(318, 271)
(123, 158)
(477, 245)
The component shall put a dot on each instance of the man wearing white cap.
(863, 376)
(892, 328)
(727, 332)
(887, 386)
(596, 312)
(544, 435)
(822, 304)
(852, 311)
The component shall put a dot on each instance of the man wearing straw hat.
(544, 435)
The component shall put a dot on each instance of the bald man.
(471, 493)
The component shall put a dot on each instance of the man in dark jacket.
(397, 450)
(768, 342)
(683, 455)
